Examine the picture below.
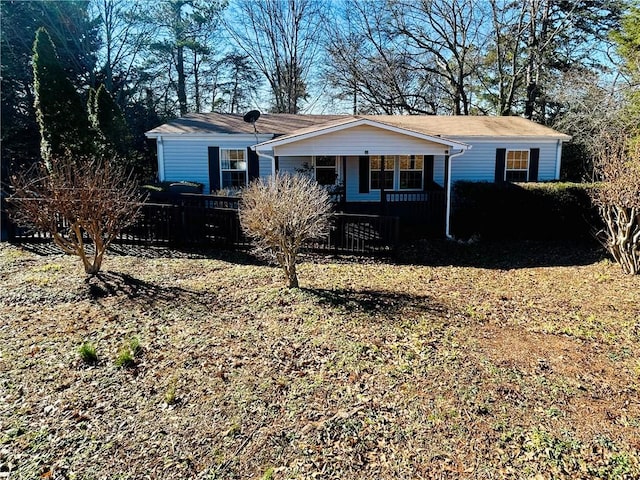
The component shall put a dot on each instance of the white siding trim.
(558, 159)
(213, 137)
(506, 157)
(246, 163)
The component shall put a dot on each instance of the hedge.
(532, 211)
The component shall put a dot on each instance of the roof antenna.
(252, 117)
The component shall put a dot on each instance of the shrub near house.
(535, 211)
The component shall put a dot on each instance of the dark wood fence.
(205, 221)
(428, 207)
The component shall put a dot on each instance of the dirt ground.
(484, 361)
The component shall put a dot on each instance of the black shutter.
(253, 164)
(276, 160)
(534, 162)
(428, 171)
(214, 168)
(501, 154)
(364, 175)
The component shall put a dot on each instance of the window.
(233, 168)
(411, 172)
(325, 168)
(377, 177)
(517, 166)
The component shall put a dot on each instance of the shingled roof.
(289, 124)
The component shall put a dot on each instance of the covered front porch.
(370, 168)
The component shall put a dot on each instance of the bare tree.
(282, 38)
(618, 199)
(590, 105)
(447, 36)
(123, 39)
(79, 202)
(370, 69)
(281, 213)
(531, 43)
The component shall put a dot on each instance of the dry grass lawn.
(419, 369)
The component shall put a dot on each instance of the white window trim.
(506, 155)
(246, 170)
(411, 170)
(335, 168)
(395, 176)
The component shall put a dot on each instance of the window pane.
(388, 180)
(375, 162)
(516, 176)
(375, 180)
(325, 161)
(411, 179)
(326, 176)
(517, 166)
(413, 162)
(234, 179)
(237, 165)
(389, 162)
(232, 159)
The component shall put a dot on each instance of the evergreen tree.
(74, 34)
(108, 121)
(60, 111)
(628, 44)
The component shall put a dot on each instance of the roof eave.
(324, 130)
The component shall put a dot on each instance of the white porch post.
(449, 183)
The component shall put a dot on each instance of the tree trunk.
(289, 266)
(623, 236)
(182, 94)
(196, 81)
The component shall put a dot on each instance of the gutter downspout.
(558, 158)
(160, 149)
(448, 214)
(267, 156)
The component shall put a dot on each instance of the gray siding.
(438, 170)
(293, 164)
(353, 184)
(188, 159)
(478, 164)
(265, 165)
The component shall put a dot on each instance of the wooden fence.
(205, 221)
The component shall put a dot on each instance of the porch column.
(343, 198)
(447, 188)
(383, 196)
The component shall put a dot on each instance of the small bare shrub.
(77, 201)
(618, 199)
(281, 213)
